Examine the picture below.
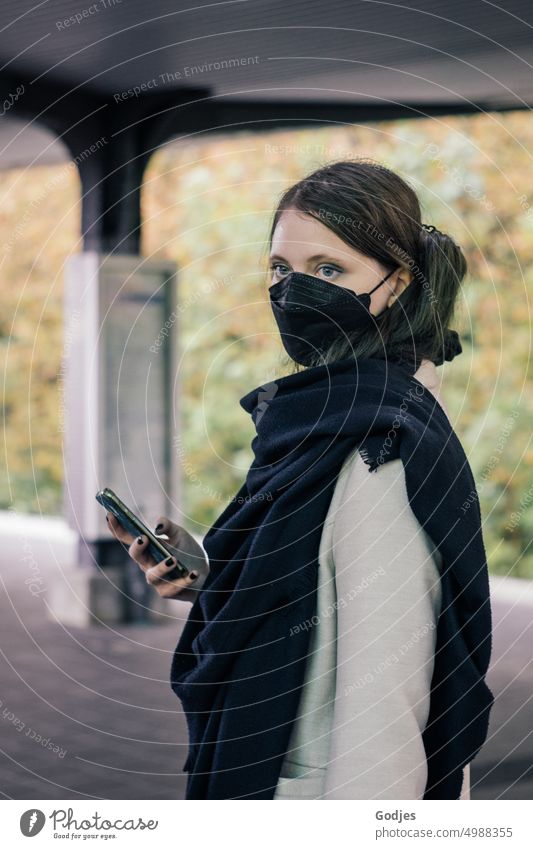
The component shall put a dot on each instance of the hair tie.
(430, 228)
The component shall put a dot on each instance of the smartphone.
(131, 523)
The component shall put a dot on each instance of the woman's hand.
(164, 576)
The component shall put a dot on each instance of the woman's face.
(301, 243)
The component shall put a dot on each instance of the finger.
(165, 526)
(138, 551)
(166, 572)
(118, 531)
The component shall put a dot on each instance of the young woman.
(340, 631)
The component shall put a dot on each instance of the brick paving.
(99, 695)
(102, 697)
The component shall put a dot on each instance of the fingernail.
(159, 528)
(140, 540)
(107, 519)
(169, 561)
(193, 575)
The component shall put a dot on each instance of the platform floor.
(88, 713)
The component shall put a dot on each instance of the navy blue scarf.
(239, 665)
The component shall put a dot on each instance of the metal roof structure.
(135, 75)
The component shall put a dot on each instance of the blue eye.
(330, 272)
(332, 268)
(279, 265)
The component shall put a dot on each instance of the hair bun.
(452, 344)
(451, 347)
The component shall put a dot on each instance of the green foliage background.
(208, 204)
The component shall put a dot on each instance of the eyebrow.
(313, 258)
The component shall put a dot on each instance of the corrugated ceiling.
(365, 51)
(432, 51)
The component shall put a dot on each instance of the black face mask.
(311, 313)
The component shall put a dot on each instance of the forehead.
(297, 233)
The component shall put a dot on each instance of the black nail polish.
(140, 540)
(159, 528)
(193, 575)
(169, 561)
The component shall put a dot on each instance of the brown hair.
(373, 210)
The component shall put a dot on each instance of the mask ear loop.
(381, 282)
